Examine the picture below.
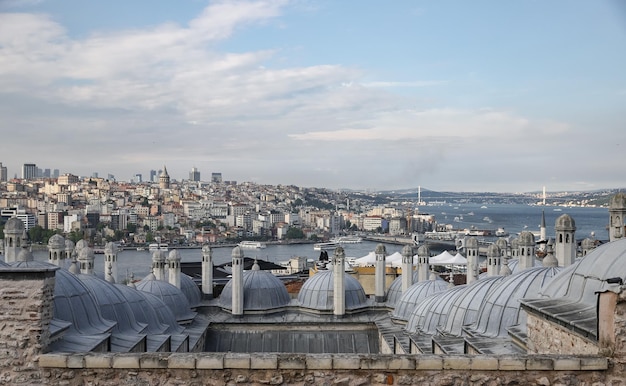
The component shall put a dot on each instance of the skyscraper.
(29, 171)
(3, 172)
(194, 174)
(153, 174)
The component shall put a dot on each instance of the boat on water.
(158, 247)
(252, 245)
(324, 246)
(347, 240)
(500, 232)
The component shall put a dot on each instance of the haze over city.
(453, 95)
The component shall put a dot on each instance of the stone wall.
(317, 369)
(26, 297)
(545, 337)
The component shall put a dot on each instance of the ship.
(252, 245)
(347, 240)
(324, 246)
(158, 247)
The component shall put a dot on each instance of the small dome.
(415, 294)
(493, 251)
(261, 291)
(588, 243)
(190, 290)
(407, 250)
(170, 295)
(56, 241)
(113, 304)
(14, 226)
(85, 253)
(502, 244)
(465, 306)
(515, 267)
(80, 244)
(471, 242)
(394, 293)
(237, 253)
(164, 313)
(317, 292)
(618, 201)
(423, 250)
(25, 255)
(514, 243)
(433, 311)
(158, 256)
(565, 222)
(174, 255)
(526, 239)
(69, 245)
(500, 309)
(110, 248)
(144, 312)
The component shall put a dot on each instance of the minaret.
(381, 255)
(158, 265)
(207, 272)
(494, 257)
(617, 216)
(407, 267)
(471, 249)
(526, 250)
(13, 231)
(237, 278)
(85, 260)
(542, 227)
(110, 259)
(339, 287)
(423, 268)
(56, 253)
(173, 268)
(565, 249)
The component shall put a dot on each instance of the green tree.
(131, 228)
(294, 233)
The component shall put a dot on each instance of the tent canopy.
(446, 258)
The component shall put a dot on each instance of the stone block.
(429, 362)
(101, 361)
(75, 361)
(375, 362)
(456, 362)
(401, 363)
(265, 361)
(210, 361)
(566, 364)
(236, 361)
(181, 361)
(539, 363)
(153, 361)
(346, 362)
(511, 363)
(319, 362)
(129, 361)
(594, 363)
(483, 363)
(291, 362)
(53, 360)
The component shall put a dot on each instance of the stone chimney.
(339, 286)
(158, 265)
(85, 260)
(407, 267)
(110, 259)
(423, 267)
(381, 256)
(207, 272)
(494, 256)
(237, 278)
(173, 268)
(565, 248)
(526, 250)
(471, 249)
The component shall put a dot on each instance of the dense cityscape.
(194, 211)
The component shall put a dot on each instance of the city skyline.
(454, 96)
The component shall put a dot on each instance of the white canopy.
(446, 258)
(395, 260)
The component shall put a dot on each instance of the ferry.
(158, 247)
(252, 245)
(324, 246)
(347, 240)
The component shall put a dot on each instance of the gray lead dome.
(261, 291)
(317, 292)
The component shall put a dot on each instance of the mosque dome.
(113, 304)
(394, 292)
(14, 225)
(433, 311)
(110, 248)
(526, 239)
(565, 222)
(143, 310)
(317, 292)
(471, 242)
(170, 295)
(163, 311)
(261, 291)
(190, 290)
(618, 201)
(56, 241)
(500, 309)
(415, 294)
(516, 268)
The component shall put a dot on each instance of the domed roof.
(144, 312)
(85, 253)
(526, 239)
(170, 295)
(261, 291)
(56, 241)
(465, 305)
(174, 255)
(588, 275)
(515, 267)
(514, 243)
(565, 222)
(502, 244)
(415, 294)
(588, 243)
(190, 290)
(618, 201)
(493, 251)
(394, 293)
(423, 250)
(471, 242)
(110, 248)
(113, 304)
(317, 292)
(164, 312)
(69, 244)
(158, 256)
(501, 307)
(433, 311)
(14, 225)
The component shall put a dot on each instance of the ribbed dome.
(80, 244)
(415, 294)
(170, 295)
(471, 242)
(143, 310)
(526, 239)
(465, 305)
(502, 244)
(501, 308)
(515, 267)
(164, 312)
(493, 251)
(14, 226)
(565, 222)
(433, 311)
(190, 290)
(317, 292)
(261, 291)
(69, 245)
(113, 304)
(394, 293)
(56, 241)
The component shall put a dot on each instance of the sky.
(502, 96)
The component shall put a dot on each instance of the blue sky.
(450, 95)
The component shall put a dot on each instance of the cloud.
(416, 83)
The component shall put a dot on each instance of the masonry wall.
(545, 337)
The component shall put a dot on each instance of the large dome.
(144, 312)
(501, 308)
(433, 311)
(415, 294)
(261, 291)
(317, 292)
(394, 292)
(190, 290)
(170, 295)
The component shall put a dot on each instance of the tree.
(294, 233)
(131, 228)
